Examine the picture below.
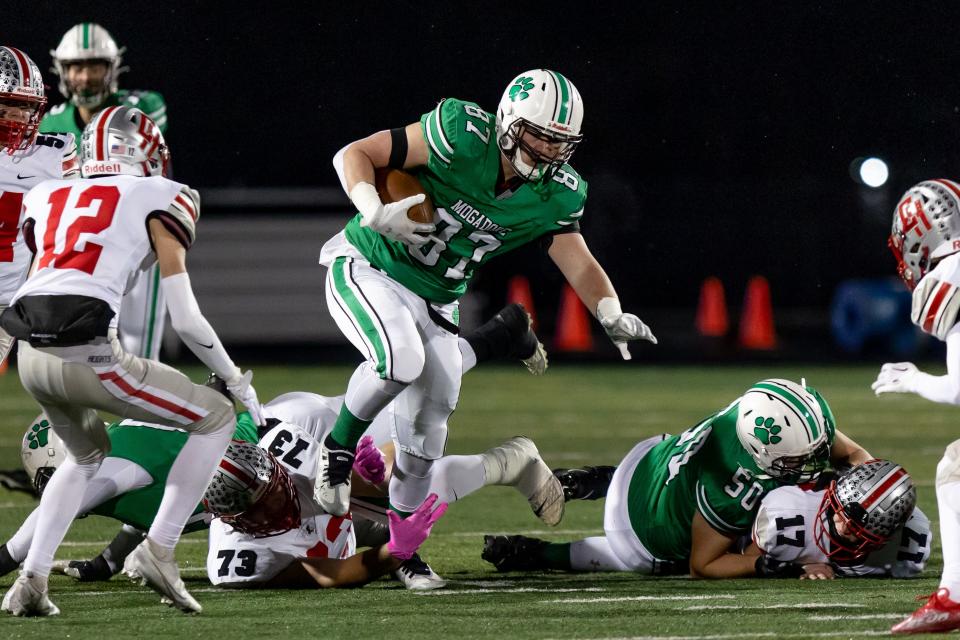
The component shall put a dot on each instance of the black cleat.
(514, 553)
(509, 334)
(7, 563)
(416, 575)
(96, 570)
(588, 483)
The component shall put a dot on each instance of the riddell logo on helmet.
(102, 167)
(559, 127)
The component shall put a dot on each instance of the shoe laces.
(339, 466)
(415, 566)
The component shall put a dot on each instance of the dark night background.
(719, 136)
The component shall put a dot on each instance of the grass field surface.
(577, 415)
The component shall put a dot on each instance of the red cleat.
(939, 614)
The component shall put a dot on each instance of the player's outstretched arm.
(904, 377)
(570, 253)
(189, 323)
(846, 451)
(710, 555)
(406, 536)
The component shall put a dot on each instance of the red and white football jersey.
(235, 557)
(51, 157)
(784, 529)
(91, 235)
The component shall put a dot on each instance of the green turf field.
(577, 415)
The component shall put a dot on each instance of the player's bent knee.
(220, 417)
(408, 363)
(948, 469)
(412, 465)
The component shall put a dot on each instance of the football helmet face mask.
(22, 100)
(88, 42)
(122, 141)
(538, 123)
(871, 500)
(41, 452)
(926, 228)
(782, 425)
(252, 492)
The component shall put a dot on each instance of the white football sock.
(188, 479)
(948, 502)
(19, 543)
(410, 482)
(456, 477)
(58, 507)
(468, 354)
(594, 554)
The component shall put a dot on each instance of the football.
(395, 184)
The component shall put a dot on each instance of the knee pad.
(408, 361)
(411, 465)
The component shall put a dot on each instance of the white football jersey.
(235, 557)
(91, 235)
(51, 157)
(317, 415)
(936, 300)
(784, 529)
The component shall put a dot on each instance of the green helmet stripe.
(795, 402)
(86, 35)
(565, 111)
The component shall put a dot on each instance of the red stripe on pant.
(149, 397)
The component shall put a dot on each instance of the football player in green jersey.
(88, 63)
(679, 503)
(498, 181)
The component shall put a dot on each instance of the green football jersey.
(703, 469)
(65, 118)
(474, 225)
(154, 450)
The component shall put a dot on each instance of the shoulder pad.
(936, 304)
(70, 161)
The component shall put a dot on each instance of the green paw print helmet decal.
(520, 87)
(39, 435)
(766, 431)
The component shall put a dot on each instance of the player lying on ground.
(297, 421)
(924, 240)
(120, 218)
(679, 501)
(860, 523)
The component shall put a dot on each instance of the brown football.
(396, 184)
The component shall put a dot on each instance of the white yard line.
(718, 596)
(763, 634)
(467, 592)
(869, 616)
(799, 605)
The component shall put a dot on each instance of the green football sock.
(556, 555)
(348, 429)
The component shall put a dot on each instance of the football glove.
(768, 567)
(390, 219)
(240, 388)
(622, 327)
(407, 534)
(369, 463)
(895, 377)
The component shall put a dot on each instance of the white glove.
(240, 388)
(390, 219)
(895, 377)
(622, 327)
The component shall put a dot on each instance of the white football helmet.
(547, 107)
(41, 452)
(926, 227)
(88, 41)
(782, 425)
(122, 141)
(21, 88)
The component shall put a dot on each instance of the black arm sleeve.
(546, 240)
(398, 148)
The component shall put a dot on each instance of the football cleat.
(509, 334)
(331, 489)
(517, 463)
(7, 563)
(416, 575)
(587, 483)
(28, 597)
(157, 569)
(96, 570)
(514, 553)
(939, 614)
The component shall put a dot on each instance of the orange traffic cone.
(756, 321)
(573, 324)
(4, 365)
(712, 317)
(518, 290)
